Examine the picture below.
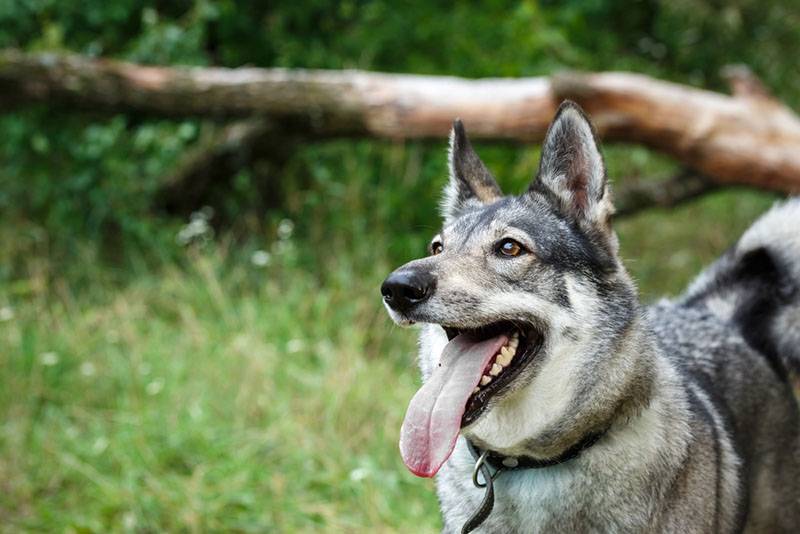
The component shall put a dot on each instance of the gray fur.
(703, 429)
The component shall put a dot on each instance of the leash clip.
(477, 469)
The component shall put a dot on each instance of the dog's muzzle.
(404, 289)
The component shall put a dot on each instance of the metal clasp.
(477, 469)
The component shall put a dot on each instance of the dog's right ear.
(572, 172)
(470, 183)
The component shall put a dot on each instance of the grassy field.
(239, 392)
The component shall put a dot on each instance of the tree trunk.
(747, 138)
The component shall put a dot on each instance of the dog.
(553, 401)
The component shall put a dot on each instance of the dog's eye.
(509, 247)
(436, 247)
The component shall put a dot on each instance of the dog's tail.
(756, 286)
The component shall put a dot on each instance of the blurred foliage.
(73, 179)
(160, 374)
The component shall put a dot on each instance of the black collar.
(498, 461)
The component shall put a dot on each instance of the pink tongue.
(433, 419)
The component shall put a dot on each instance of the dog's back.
(755, 286)
(735, 335)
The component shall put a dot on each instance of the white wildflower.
(155, 387)
(49, 358)
(285, 229)
(359, 473)
(129, 521)
(260, 258)
(88, 369)
(100, 445)
(198, 228)
(195, 411)
(295, 345)
(6, 313)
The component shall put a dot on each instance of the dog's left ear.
(470, 182)
(572, 171)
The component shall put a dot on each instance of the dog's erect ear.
(572, 171)
(470, 182)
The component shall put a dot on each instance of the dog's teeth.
(485, 379)
(496, 369)
(504, 358)
(514, 343)
(476, 390)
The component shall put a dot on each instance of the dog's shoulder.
(736, 379)
(709, 350)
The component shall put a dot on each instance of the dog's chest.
(562, 498)
(528, 500)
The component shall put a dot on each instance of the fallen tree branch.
(630, 197)
(210, 165)
(729, 139)
(336, 103)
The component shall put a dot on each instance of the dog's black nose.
(404, 289)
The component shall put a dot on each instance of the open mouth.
(475, 366)
(501, 370)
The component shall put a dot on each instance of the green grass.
(219, 395)
(201, 401)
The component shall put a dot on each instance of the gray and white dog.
(603, 415)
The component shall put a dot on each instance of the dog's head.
(517, 295)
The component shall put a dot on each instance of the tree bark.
(738, 139)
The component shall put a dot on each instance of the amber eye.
(436, 247)
(509, 247)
